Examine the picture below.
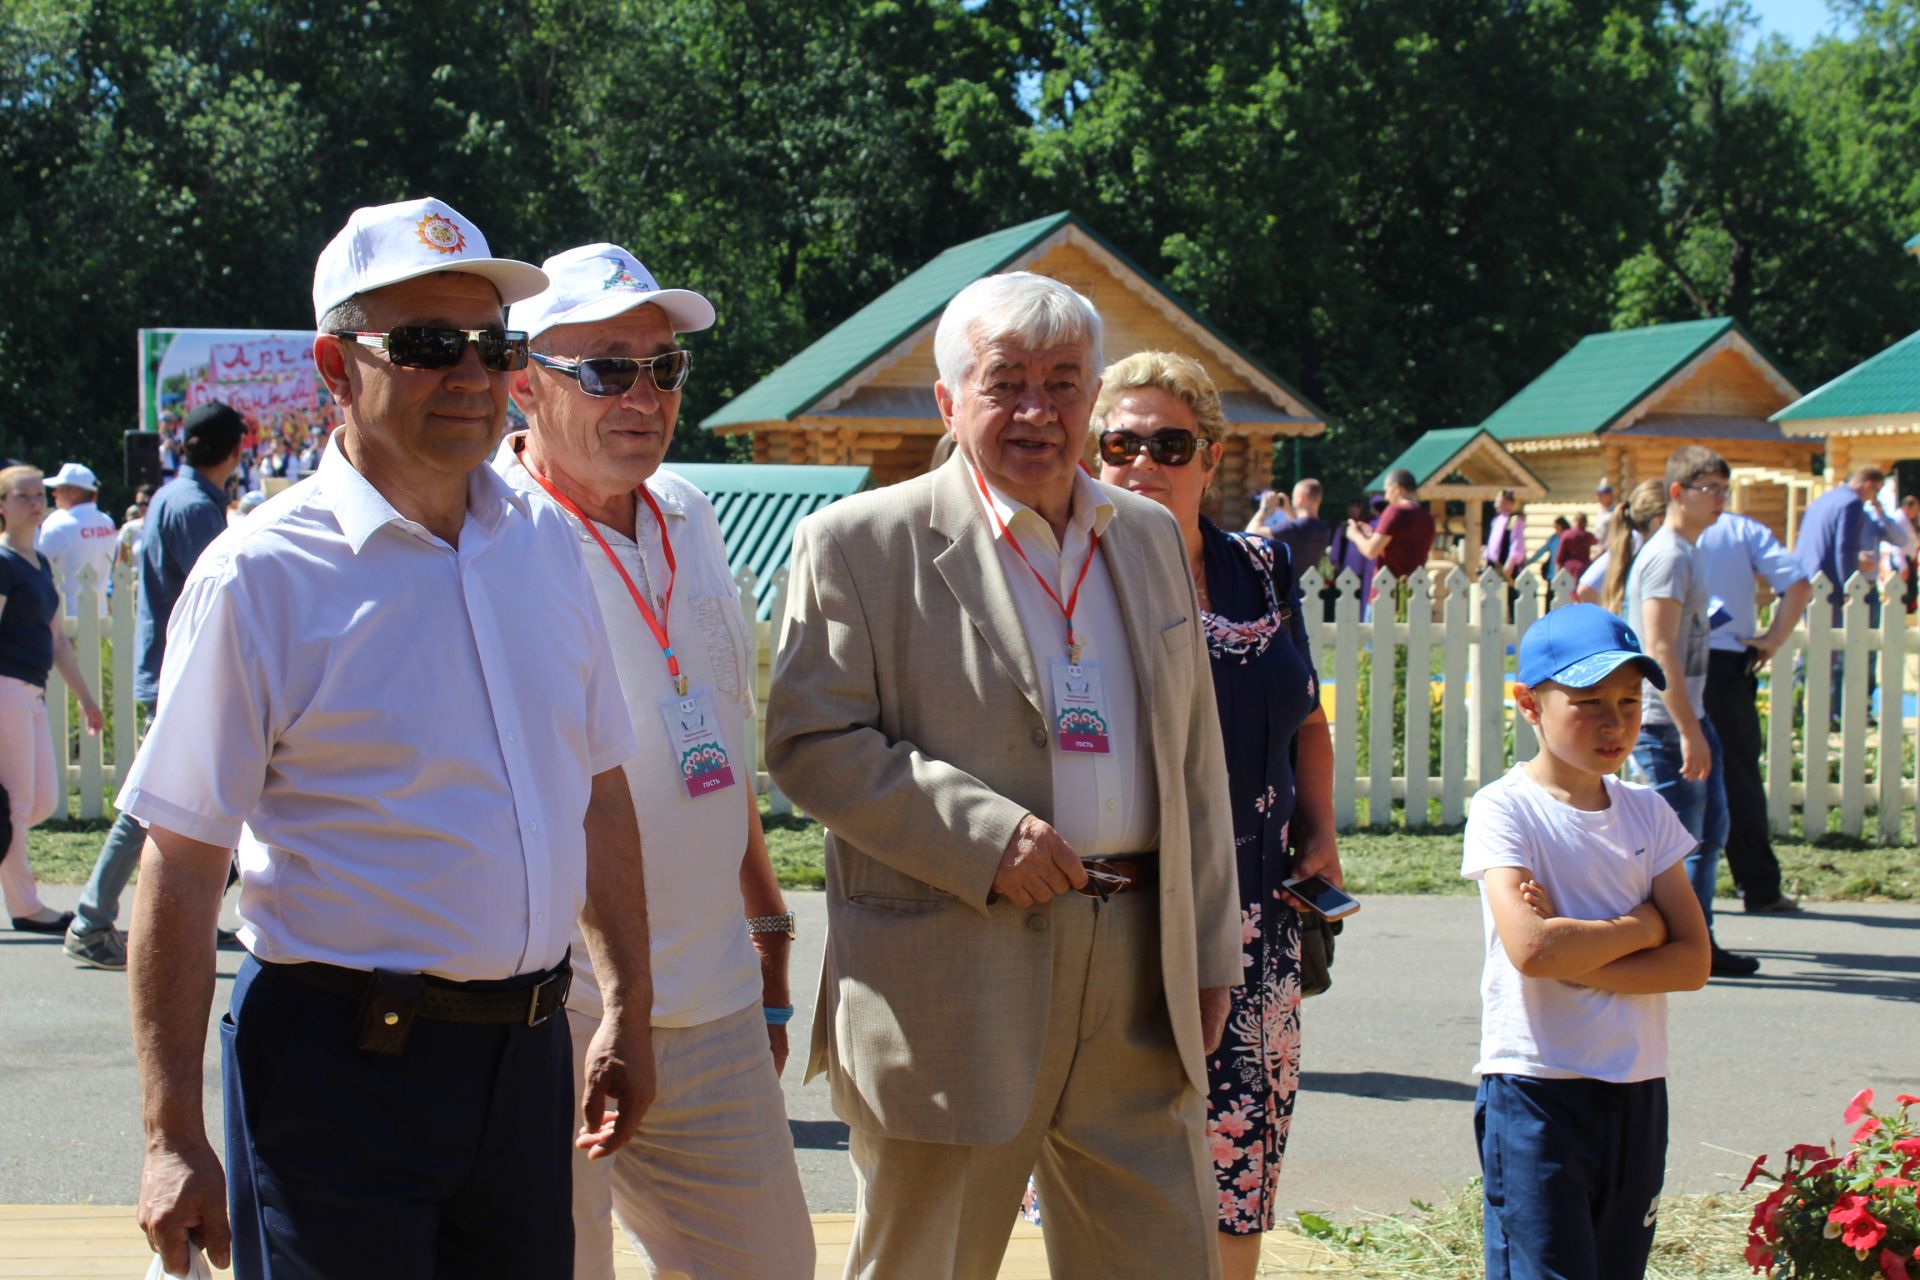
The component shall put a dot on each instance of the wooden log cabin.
(1463, 465)
(1617, 404)
(1868, 416)
(863, 393)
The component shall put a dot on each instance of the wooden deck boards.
(79, 1242)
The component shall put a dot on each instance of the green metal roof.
(1606, 374)
(882, 324)
(1887, 384)
(758, 505)
(1428, 456)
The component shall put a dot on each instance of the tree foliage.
(1407, 208)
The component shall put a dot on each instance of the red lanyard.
(1073, 597)
(656, 625)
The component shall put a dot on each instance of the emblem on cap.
(440, 234)
(621, 278)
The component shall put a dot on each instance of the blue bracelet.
(777, 1015)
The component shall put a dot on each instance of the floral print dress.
(1265, 686)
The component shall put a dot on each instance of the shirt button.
(541, 918)
(513, 737)
(1039, 737)
(533, 826)
(1036, 924)
(1109, 806)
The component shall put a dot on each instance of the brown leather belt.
(446, 1001)
(1108, 876)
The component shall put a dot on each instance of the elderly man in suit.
(994, 693)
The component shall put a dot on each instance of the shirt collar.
(507, 463)
(363, 510)
(207, 486)
(1091, 508)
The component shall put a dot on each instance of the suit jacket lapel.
(970, 566)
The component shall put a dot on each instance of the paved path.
(1385, 1112)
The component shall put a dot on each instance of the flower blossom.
(1858, 1107)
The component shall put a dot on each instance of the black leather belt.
(447, 1001)
(1108, 876)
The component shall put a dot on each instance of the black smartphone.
(1327, 901)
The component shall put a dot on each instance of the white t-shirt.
(81, 535)
(1594, 866)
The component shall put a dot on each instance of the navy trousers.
(1573, 1171)
(450, 1159)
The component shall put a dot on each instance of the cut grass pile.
(1403, 861)
(1698, 1237)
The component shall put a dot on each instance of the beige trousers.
(708, 1187)
(1115, 1137)
(34, 785)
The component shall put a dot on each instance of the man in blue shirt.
(1305, 533)
(189, 512)
(1839, 528)
(1734, 550)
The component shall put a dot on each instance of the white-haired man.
(708, 1187)
(1032, 925)
(392, 676)
(77, 534)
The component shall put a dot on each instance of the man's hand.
(619, 1070)
(1696, 762)
(1037, 866)
(1655, 923)
(183, 1204)
(1214, 1003)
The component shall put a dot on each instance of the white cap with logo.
(598, 282)
(72, 473)
(385, 244)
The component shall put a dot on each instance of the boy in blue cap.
(1590, 920)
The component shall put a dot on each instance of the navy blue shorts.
(1573, 1171)
(454, 1158)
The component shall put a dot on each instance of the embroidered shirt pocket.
(722, 631)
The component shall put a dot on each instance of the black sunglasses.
(615, 375)
(418, 346)
(1170, 446)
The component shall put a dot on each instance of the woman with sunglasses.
(1160, 423)
(32, 643)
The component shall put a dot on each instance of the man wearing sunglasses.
(995, 694)
(708, 1186)
(392, 681)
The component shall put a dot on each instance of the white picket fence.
(1465, 629)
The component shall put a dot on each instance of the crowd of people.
(465, 713)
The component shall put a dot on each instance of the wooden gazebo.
(1619, 403)
(1465, 465)
(862, 394)
(1869, 415)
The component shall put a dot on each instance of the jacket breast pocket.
(1177, 636)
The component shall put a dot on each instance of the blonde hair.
(1179, 376)
(9, 476)
(1642, 513)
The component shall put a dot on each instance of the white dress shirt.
(1734, 550)
(704, 964)
(81, 535)
(406, 731)
(1102, 804)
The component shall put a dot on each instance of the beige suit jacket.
(907, 715)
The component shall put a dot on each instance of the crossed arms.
(1661, 945)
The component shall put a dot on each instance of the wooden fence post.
(1419, 694)
(1346, 698)
(1893, 707)
(1489, 678)
(1380, 725)
(1813, 761)
(1856, 672)
(1454, 718)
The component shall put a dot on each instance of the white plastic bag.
(197, 1268)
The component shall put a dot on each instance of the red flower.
(1807, 1151)
(1865, 1130)
(1908, 1146)
(1858, 1107)
(1859, 1229)
(1765, 1215)
(1895, 1182)
(1759, 1163)
(1759, 1256)
(1906, 1100)
(1891, 1267)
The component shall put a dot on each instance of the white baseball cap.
(385, 244)
(72, 473)
(598, 282)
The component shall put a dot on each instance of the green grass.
(1697, 1238)
(1420, 860)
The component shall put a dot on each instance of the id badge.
(1080, 719)
(693, 735)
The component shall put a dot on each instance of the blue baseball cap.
(1579, 646)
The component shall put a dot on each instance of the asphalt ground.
(1385, 1112)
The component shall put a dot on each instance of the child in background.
(1589, 920)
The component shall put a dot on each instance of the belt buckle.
(534, 1016)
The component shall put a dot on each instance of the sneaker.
(1780, 903)
(100, 948)
(1728, 964)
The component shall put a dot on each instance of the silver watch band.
(772, 924)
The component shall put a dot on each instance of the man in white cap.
(708, 1187)
(391, 679)
(77, 534)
